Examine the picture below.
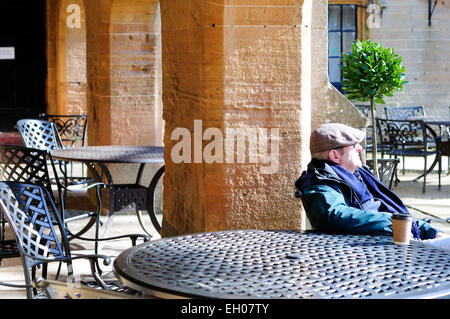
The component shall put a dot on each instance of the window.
(342, 32)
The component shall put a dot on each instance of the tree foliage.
(371, 72)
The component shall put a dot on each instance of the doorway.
(23, 63)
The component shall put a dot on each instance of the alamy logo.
(74, 19)
(263, 146)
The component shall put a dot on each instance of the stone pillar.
(328, 104)
(66, 57)
(226, 67)
(73, 29)
(135, 78)
(70, 59)
(52, 9)
(123, 72)
(98, 14)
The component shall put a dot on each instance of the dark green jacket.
(333, 206)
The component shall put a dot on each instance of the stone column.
(51, 17)
(98, 14)
(123, 72)
(239, 67)
(328, 104)
(66, 57)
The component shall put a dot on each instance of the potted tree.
(371, 72)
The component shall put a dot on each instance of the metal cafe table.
(443, 147)
(284, 264)
(121, 195)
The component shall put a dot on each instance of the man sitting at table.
(342, 196)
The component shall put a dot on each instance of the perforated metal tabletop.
(112, 154)
(285, 264)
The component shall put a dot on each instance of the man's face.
(348, 157)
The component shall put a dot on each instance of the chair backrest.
(386, 169)
(26, 207)
(71, 128)
(22, 164)
(402, 113)
(395, 133)
(39, 134)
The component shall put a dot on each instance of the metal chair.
(406, 138)
(22, 164)
(443, 149)
(71, 128)
(39, 134)
(386, 170)
(18, 163)
(40, 235)
(43, 135)
(403, 113)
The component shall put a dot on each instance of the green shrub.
(371, 72)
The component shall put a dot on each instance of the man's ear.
(334, 156)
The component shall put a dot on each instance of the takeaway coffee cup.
(401, 228)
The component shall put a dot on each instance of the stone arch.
(135, 72)
(71, 79)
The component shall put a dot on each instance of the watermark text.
(240, 145)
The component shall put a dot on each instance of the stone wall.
(424, 49)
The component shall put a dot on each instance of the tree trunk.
(374, 139)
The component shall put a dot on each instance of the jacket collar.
(319, 171)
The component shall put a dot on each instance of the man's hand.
(442, 235)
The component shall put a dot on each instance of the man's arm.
(442, 235)
(328, 210)
(429, 230)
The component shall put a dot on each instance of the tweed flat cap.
(326, 137)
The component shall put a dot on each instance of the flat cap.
(326, 137)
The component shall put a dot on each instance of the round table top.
(284, 264)
(112, 154)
